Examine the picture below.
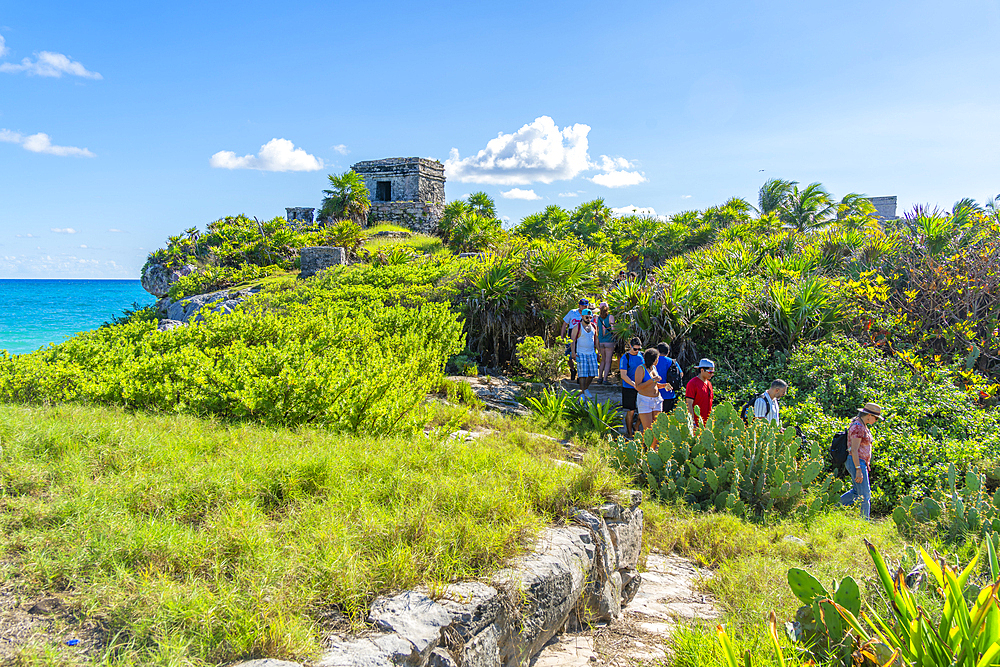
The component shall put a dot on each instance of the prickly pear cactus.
(818, 624)
(726, 465)
(963, 510)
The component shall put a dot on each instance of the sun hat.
(872, 409)
(706, 363)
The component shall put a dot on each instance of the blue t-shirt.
(630, 362)
(662, 365)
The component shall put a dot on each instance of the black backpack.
(748, 407)
(674, 376)
(838, 449)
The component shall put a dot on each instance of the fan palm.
(773, 195)
(807, 209)
(854, 204)
(347, 198)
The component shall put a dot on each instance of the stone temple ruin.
(299, 215)
(885, 207)
(406, 191)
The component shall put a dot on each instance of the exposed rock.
(498, 393)
(157, 278)
(266, 662)
(414, 617)
(224, 301)
(390, 234)
(46, 606)
(626, 535)
(167, 325)
(315, 259)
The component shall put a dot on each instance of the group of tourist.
(650, 380)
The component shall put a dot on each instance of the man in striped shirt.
(766, 405)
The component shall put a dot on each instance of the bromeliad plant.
(965, 635)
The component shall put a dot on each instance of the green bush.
(212, 278)
(336, 351)
(543, 363)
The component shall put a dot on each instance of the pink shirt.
(858, 429)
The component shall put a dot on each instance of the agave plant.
(494, 308)
(551, 405)
(797, 311)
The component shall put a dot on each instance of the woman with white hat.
(859, 457)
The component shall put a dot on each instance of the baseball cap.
(584, 302)
(586, 312)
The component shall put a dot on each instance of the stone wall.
(315, 259)
(416, 191)
(419, 216)
(299, 215)
(885, 206)
(578, 574)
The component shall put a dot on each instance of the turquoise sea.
(35, 313)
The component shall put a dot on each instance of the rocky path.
(666, 597)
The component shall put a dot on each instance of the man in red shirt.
(699, 392)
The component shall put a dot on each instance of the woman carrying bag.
(859, 457)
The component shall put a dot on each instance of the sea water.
(35, 313)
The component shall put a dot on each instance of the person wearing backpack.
(766, 405)
(670, 373)
(859, 457)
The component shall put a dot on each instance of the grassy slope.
(196, 543)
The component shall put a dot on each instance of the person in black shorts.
(627, 365)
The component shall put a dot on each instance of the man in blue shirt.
(669, 372)
(627, 366)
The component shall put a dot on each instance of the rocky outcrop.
(173, 314)
(315, 259)
(157, 278)
(574, 576)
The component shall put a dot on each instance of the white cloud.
(568, 194)
(41, 143)
(619, 179)
(275, 155)
(47, 63)
(83, 246)
(636, 210)
(116, 231)
(518, 193)
(617, 173)
(341, 148)
(3, 47)
(67, 230)
(685, 196)
(539, 152)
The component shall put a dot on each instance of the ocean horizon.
(36, 312)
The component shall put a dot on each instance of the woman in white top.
(647, 381)
(584, 352)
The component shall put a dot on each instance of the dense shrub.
(338, 351)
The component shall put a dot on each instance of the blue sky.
(111, 113)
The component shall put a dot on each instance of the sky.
(124, 123)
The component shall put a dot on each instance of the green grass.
(422, 243)
(196, 543)
(385, 227)
(749, 564)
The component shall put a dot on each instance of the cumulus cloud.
(618, 172)
(636, 210)
(275, 155)
(66, 230)
(568, 194)
(518, 193)
(42, 143)
(341, 148)
(46, 63)
(539, 152)
(3, 47)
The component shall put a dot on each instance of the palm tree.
(482, 204)
(807, 209)
(348, 199)
(854, 204)
(774, 195)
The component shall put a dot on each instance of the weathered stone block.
(315, 259)
(626, 535)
